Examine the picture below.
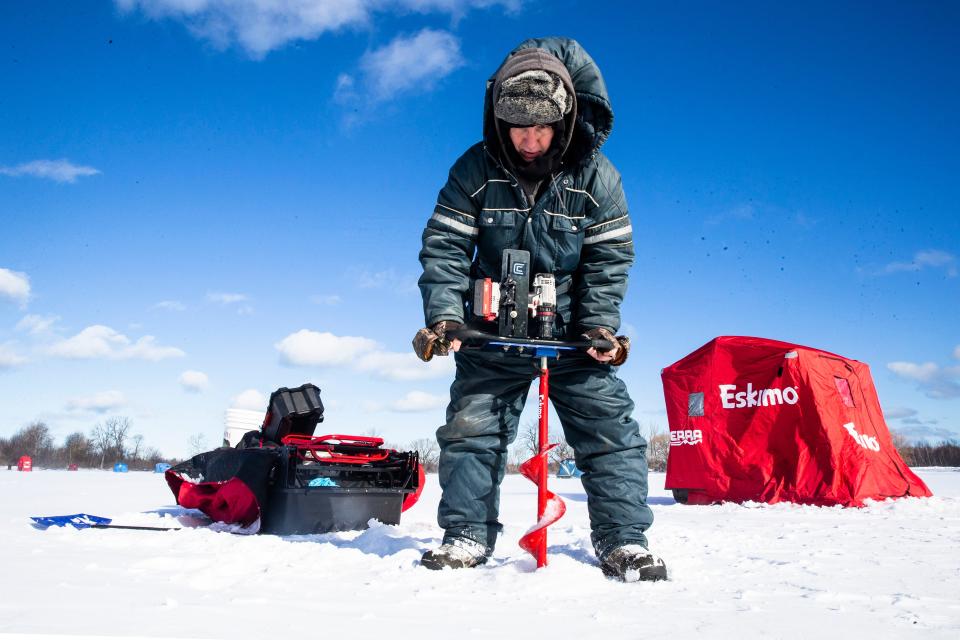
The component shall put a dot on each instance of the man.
(537, 182)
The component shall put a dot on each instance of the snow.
(891, 569)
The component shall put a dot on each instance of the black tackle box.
(338, 483)
(292, 411)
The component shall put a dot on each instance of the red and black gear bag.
(284, 480)
(229, 485)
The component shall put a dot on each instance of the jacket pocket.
(566, 233)
(566, 222)
(498, 218)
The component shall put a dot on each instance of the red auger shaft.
(543, 446)
(550, 507)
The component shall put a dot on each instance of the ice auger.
(518, 307)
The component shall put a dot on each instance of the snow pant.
(486, 399)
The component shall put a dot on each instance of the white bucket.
(237, 422)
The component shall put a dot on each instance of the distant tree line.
(112, 441)
(108, 442)
(923, 454)
(526, 446)
(915, 454)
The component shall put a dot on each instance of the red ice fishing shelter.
(770, 421)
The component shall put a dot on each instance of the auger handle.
(475, 335)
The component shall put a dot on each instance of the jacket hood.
(589, 122)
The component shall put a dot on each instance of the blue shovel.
(86, 521)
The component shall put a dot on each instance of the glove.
(431, 341)
(602, 333)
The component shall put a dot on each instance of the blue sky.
(204, 200)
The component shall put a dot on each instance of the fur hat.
(532, 97)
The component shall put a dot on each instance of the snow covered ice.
(891, 569)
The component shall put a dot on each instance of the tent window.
(695, 404)
(843, 388)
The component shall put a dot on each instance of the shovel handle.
(123, 526)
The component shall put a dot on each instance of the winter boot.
(459, 553)
(631, 563)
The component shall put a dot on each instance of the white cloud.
(456, 7)
(9, 358)
(99, 341)
(56, 170)
(36, 324)
(804, 220)
(391, 365)
(98, 402)
(226, 298)
(927, 259)
(260, 26)
(897, 413)
(936, 381)
(920, 372)
(194, 381)
(418, 401)
(739, 213)
(927, 432)
(170, 305)
(14, 285)
(758, 213)
(328, 300)
(956, 352)
(311, 348)
(251, 400)
(411, 63)
(390, 279)
(345, 91)
(934, 258)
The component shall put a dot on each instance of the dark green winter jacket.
(578, 229)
